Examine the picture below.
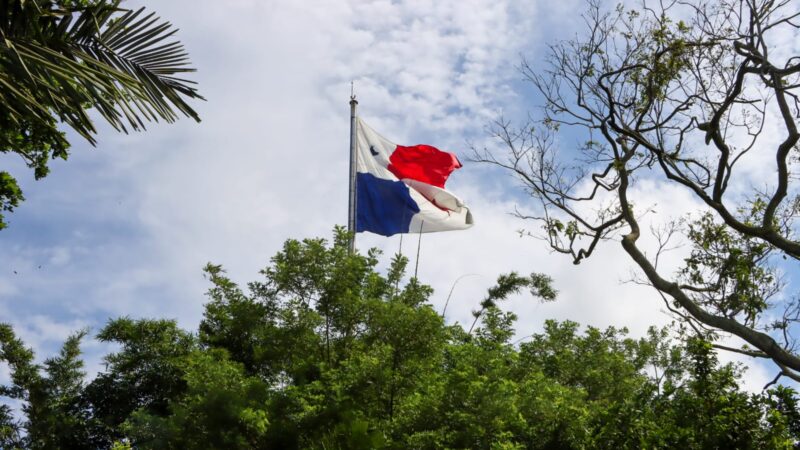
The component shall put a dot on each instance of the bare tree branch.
(678, 92)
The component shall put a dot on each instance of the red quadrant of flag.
(423, 163)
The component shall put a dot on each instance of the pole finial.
(352, 93)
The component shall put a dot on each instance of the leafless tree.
(681, 92)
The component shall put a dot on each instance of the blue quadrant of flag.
(386, 205)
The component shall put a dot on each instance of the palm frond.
(123, 63)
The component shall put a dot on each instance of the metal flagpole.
(400, 249)
(419, 244)
(351, 205)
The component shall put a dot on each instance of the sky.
(125, 228)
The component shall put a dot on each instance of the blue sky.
(125, 228)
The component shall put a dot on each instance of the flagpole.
(351, 205)
(419, 244)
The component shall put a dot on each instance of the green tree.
(61, 58)
(220, 408)
(55, 416)
(677, 93)
(326, 352)
(393, 375)
(143, 376)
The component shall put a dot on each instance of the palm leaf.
(59, 61)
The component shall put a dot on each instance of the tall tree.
(688, 93)
(59, 59)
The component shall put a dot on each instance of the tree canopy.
(695, 94)
(325, 352)
(63, 60)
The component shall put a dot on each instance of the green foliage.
(325, 352)
(221, 407)
(58, 59)
(10, 195)
(734, 269)
(51, 396)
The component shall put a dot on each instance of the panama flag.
(401, 189)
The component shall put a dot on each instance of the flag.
(400, 189)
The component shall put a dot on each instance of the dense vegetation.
(325, 352)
